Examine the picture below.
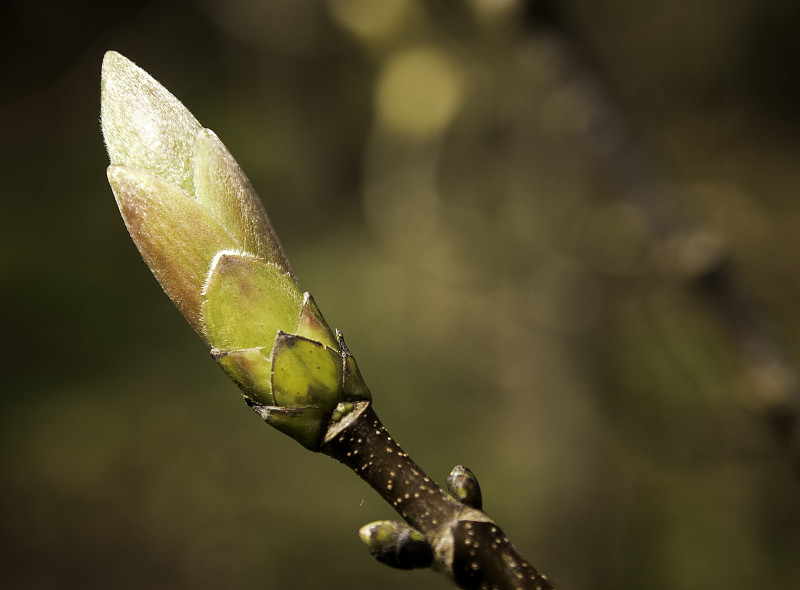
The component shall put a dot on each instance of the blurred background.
(518, 213)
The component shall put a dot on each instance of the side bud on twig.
(464, 487)
(396, 544)
(203, 232)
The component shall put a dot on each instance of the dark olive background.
(502, 295)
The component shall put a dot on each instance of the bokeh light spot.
(419, 93)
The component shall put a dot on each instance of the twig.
(466, 544)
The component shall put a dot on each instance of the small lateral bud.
(396, 544)
(463, 486)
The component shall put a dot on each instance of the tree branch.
(465, 543)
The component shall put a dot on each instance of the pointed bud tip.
(144, 125)
(112, 59)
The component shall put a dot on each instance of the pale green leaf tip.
(144, 125)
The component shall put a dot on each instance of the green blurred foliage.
(425, 166)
